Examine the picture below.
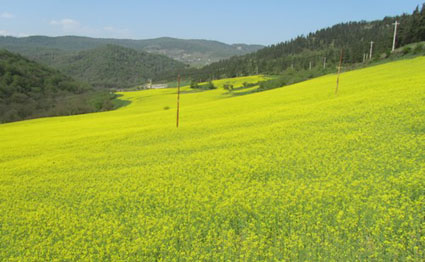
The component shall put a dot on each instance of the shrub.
(407, 50)
(247, 85)
(418, 49)
(228, 87)
(194, 84)
(210, 85)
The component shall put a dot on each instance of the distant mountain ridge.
(110, 66)
(192, 51)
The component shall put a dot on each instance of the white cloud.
(4, 33)
(7, 15)
(66, 24)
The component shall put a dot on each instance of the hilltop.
(192, 51)
(305, 50)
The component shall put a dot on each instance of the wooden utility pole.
(395, 34)
(178, 100)
(371, 50)
(324, 62)
(339, 71)
(309, 68)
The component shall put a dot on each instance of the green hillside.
(310, 50)
(291, 174)
(29, 90)
(191, 51)
(110, 66)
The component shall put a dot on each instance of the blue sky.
(231, 21)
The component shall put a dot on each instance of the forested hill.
(110, 66)
(191, 51)
(353, 37)
(30, 90)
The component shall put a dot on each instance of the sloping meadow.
(295, 173)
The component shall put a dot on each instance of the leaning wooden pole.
(339, 71)
(178, 100)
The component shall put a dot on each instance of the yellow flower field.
(294, 173)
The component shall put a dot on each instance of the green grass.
(294, 173)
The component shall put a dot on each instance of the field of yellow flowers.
(294, 173)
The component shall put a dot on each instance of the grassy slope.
(293, 173)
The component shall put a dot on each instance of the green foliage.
(209, 85)
(193, 52)
(248, 85)
(194, 84)
(112, 66)
(353, 37)
(29, 90)
(407, 50)
(419, 48)
(228, 87)
(412, 27)
(289, 77)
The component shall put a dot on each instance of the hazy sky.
(231, 21)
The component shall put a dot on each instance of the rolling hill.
(295, 173)
(193, 52)
(29, 90)
(310, 50)
(110, 66)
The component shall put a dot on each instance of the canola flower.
(290, 174)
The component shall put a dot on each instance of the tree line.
(311, 50)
